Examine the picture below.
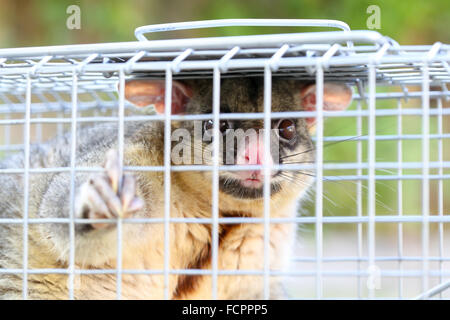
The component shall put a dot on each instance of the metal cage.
(378, 244)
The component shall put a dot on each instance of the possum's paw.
(101, 198)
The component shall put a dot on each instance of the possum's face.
(242, 140)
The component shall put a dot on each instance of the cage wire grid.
(79, 84)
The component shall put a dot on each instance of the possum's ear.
(142, 93)
(336, 97)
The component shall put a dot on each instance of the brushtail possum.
(114, 193)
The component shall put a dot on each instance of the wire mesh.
(395, 138)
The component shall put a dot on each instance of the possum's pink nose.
(253, 154)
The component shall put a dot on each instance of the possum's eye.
(286, 129)
(223, 126)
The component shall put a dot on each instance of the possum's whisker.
(301, 183)
(364, 187)
(292, 179)
(312, 161)
(299, 153)
(325, 145)
(386, 171)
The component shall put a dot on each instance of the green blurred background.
(43, 22)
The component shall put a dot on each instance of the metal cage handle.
(140, 31)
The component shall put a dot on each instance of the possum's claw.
(113, 170)
(101, 198)
(128, 190)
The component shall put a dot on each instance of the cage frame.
(431, 61)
